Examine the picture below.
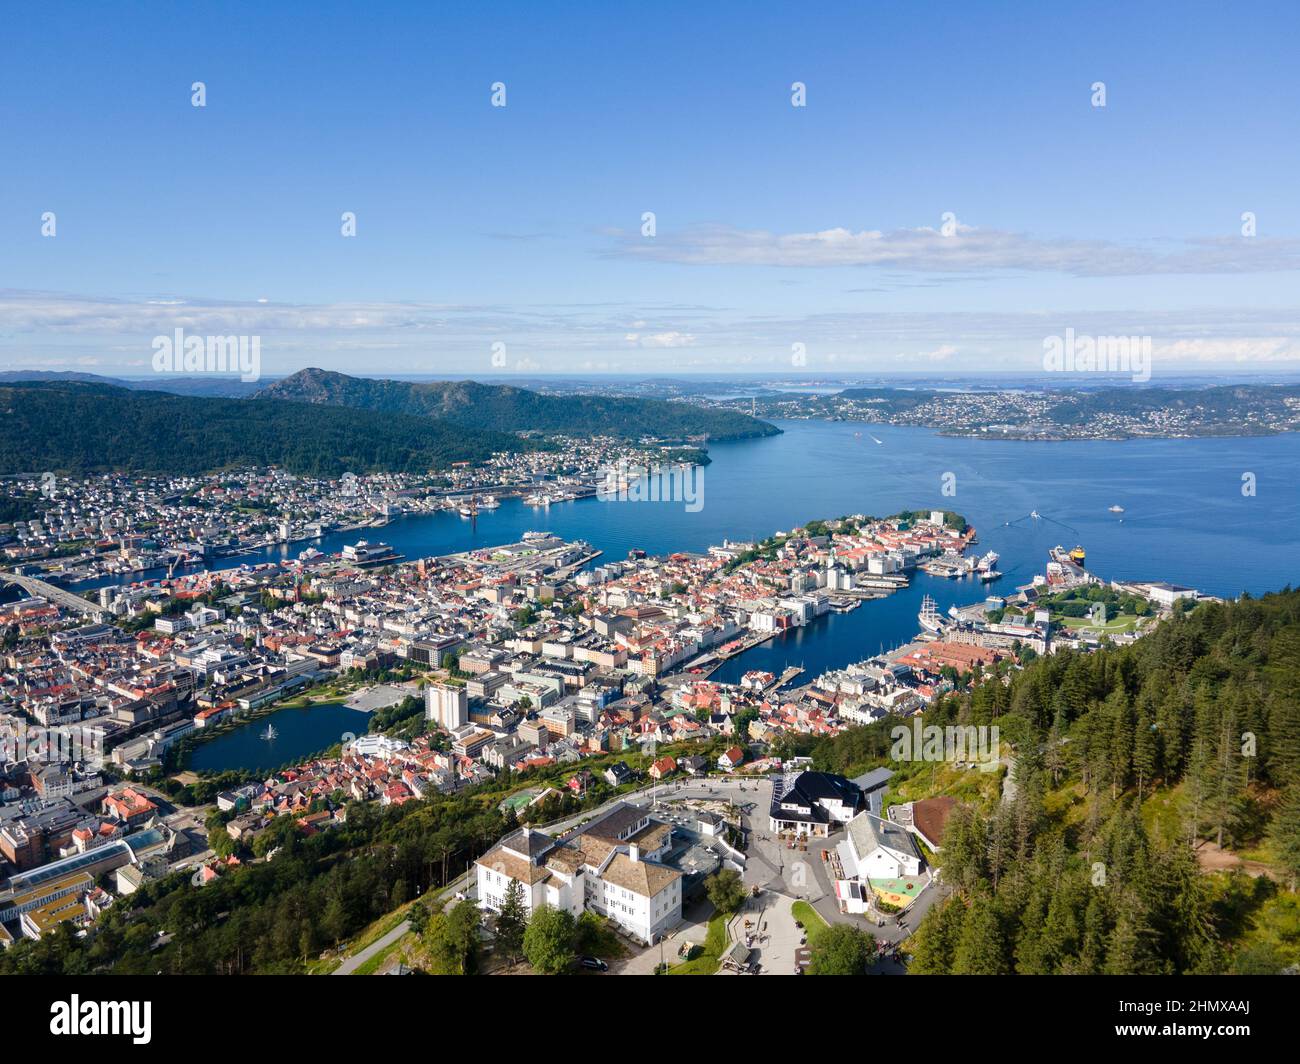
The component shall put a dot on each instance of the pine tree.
(982, 947)
(935, 941)
(1144, 747)
(1092, 952)
(1283, 717)
(1285, 835)
(512, 921)
(1031, 948)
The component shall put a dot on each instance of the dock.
(789, 674)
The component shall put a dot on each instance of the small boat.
(1117, 509)
(270, 733)
(988, 575)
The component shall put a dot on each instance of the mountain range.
(316, 423)
(506, 408)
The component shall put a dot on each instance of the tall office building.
(446, 705)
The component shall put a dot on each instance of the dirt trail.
(1213, 858)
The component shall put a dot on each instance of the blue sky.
(775, 225)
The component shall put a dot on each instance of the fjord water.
(1186, 518)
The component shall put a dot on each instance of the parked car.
(594, 963)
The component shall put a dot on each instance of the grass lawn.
(813, 923)
(1123, 623)
(1162, 814)
(925, 779)
(377, 930)
(715, 942)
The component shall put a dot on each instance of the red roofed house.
(129, 806)
(665, 766)
(731, 759)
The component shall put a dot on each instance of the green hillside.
(509, 409)
(77, 428)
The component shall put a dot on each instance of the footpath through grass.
(813, 922)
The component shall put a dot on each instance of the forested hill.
(1126, 760)
(81, 428)
(509, 409)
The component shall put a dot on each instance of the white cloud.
(45, 330)
(966, 250)
(663, 339)
(1236, 349)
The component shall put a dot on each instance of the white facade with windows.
(612, 867)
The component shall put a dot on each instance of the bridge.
(57, 595)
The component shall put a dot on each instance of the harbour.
(1185, 515)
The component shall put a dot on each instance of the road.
(57, 595)
(358, 959)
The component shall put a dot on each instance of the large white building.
(446, 705)
(611, 866)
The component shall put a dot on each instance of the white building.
(1168, 594)
(376, 746)
(446, 705)
(611, 866)
(878, 849)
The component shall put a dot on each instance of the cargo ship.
(1076, 556)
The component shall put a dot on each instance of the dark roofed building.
(812, 802)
